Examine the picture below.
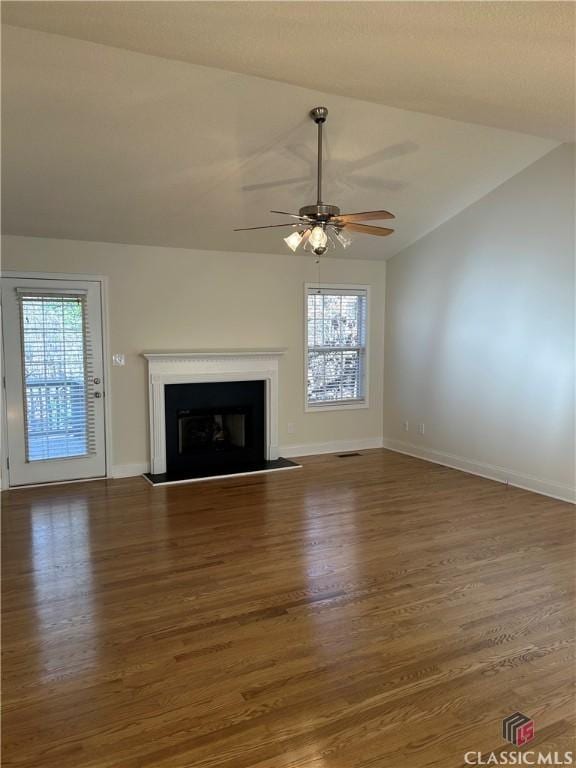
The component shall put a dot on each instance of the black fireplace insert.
(214, 426)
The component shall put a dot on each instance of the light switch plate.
(118, 359)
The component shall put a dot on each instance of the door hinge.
(7, 463)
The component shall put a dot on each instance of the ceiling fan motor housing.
(322, 212)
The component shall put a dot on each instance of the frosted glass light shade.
(293, 240)
(318, 238)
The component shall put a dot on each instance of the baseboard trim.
(489, 471)
(336, 446)
(129, 470)
(287, 451)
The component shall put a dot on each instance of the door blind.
(57, 375)
(336, 338)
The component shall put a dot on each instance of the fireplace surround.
(195, 430)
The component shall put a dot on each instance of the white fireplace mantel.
(204, 365)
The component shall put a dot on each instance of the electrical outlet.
(405, 426)
(291, 428)
(118, 359)
(420, 429)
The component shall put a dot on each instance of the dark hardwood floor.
(365, 612)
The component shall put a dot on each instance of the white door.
(52, 340)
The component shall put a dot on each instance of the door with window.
(53, 378)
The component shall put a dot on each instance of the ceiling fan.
(321, 226)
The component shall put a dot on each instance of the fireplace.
(214, 425)
(213, 413)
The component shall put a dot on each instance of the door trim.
(106, 365)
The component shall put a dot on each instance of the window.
(58, 414)
(336, 346)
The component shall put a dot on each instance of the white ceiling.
(102, 143)
(505, 64)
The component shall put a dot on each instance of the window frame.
(342, 405)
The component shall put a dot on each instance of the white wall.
(480, 334)
(169, 298)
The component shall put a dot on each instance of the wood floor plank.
(372, 612)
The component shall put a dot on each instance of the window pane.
(335, 321)
(334, 376)
(53, 342)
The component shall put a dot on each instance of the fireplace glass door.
(207, 431)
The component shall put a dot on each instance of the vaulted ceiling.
(103, 141)
(505, 64)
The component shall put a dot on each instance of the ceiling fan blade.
(364, 216)
(267, 226)
(368, 229)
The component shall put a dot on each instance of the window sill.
(345, 406)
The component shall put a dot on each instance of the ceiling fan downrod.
(321, 212)
(319, 115)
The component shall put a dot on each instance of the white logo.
(519, 758)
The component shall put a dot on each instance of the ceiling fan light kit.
(322, 226)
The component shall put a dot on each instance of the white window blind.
(336, 336)
(57, 375)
